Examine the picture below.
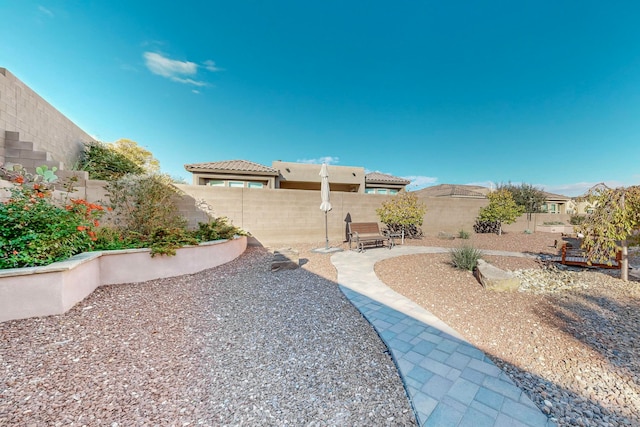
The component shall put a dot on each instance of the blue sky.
(455, 92)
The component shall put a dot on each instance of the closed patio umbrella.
(326, 204)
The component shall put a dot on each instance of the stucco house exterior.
(556, 204)
(293, 176)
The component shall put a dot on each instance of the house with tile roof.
(556, 203)
(293, 176)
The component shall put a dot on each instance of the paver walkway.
(448, 380)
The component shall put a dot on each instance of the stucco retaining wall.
(56, 288)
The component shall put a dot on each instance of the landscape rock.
(494, 279)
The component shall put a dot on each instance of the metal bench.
(367, 234)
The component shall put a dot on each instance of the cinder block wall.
(285, 216)
(288, 216)
(24, 111)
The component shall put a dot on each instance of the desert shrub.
(404, 212)
(465, 257)
(144, 203)
(110, 238)
(215, 229)
(577, 219)
(464, 234)
(165, 240)
(103, 162)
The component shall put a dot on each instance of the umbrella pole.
(326, 231)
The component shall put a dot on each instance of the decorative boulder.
(285, 259)
(494, 279)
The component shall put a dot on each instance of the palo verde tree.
(502, 209)
(526, 195)
(612, 225)
(403, 213)
(137, 154)
(102, 162)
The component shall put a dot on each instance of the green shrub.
(36, 230)
(216, 229)
(103, 162)
(464, 234)
(404, 212)
(553, 223)
(165, 241)
(465, 257)
(144, 203)
(577, 219)
(109, 238)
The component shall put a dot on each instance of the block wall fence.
(288, 216)
(27, 113)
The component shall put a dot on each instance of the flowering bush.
(36, 230)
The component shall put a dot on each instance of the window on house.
(215, 183)
(393, 191)
(236, 184)
(382, 191)
(369, 190)
(255, 185)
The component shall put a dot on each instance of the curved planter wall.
(55, 288)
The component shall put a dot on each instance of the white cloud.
(177, 71)
(330, 160)
(211, 66)
(418, 181)
(46, 11)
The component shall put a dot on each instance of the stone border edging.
(56, 288)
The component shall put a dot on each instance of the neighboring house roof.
(232, 166)
(451, 190)
(382, 178)
(552, 196)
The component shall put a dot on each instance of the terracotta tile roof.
(384, 178)
(552, 196)
(231, 166)
(451, 190)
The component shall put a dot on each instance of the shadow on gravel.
(565, 407)
(607, 326)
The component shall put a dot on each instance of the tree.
(526, 195)
(403, 213)
(137, 154)
(102, 162)
(612, 225)
(502, 209)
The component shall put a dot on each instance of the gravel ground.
(569, 339)
(234, 345)
(241, 345)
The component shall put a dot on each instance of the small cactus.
(48, 175)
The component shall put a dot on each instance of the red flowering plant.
(34, 228)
